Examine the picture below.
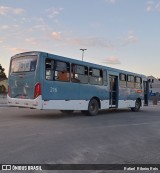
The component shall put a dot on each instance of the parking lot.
(49, 137)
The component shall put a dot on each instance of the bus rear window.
(24, 64)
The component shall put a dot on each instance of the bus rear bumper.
(26, 103)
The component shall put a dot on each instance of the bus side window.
(122, 78)
(138, 82)
(79, 74)
(130, 81)
(105, 77)
(49, 65)
(95, 76)
(62, 71)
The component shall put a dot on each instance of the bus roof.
(62, 58)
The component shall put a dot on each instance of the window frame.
(131, 82)
(138, 83)
(105, 77)
(66, 72)
(51, 69)
(123, 82)
(74, 73)
(95, 77)
(54, 70)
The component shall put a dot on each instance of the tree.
(2, 73)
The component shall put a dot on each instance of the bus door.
(146, 92)
(113, 91)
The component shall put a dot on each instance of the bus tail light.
(139, 91)
(37, 90)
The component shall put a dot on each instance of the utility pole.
(83, 53)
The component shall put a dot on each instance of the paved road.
(32, 136)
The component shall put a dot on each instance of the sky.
(123, 34)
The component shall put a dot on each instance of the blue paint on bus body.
(22, 83)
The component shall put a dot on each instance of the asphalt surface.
(50, 137)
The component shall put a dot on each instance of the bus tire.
(93, 107)
(137, 106)
(67, 111)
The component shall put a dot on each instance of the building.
(154, 86)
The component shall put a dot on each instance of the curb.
(3, 105)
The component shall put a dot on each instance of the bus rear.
(24, 87)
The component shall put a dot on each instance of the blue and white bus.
(45, 81)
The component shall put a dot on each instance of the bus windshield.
(24, 64)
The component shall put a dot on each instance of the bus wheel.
(67, 111)
(137, 106)
(93, 107)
